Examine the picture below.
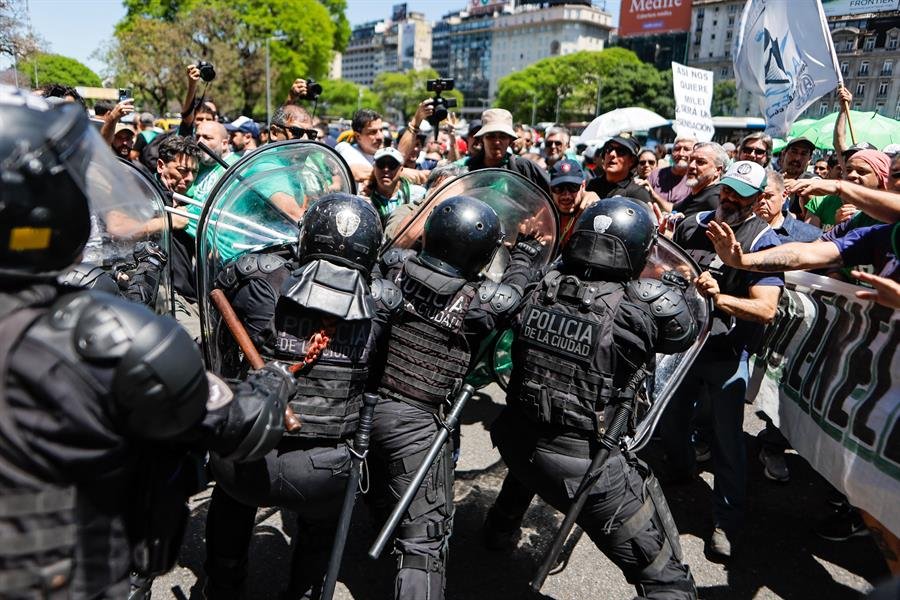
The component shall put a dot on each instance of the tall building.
(714, 25)
(400, 43)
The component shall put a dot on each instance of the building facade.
(387, 46)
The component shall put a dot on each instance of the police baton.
(358, 452)
(291, 422)
(608, 443)
(437, 444)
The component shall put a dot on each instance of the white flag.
(785, 57)
(693, 98)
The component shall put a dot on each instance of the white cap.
(392, 152)
(892, 149)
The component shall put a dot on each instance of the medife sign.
(649, 17)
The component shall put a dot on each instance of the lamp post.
(559, 94)
(533, 107)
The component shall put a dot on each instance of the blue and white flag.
(785, 57)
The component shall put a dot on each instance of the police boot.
(503, 525)
(224, 578)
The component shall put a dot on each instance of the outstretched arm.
(792, 256)
(878, 204)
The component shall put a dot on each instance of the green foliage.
(157, 39)
(401, 93)
(724, 101)
(573, 79)
(340, 98)
(56, 68)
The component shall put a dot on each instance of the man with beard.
(744, 302)
(668, 184)
(794, 159)
(214, 135)
(556, 142)
(122, 142)
(619, 159)
(706, 166)
(567, 188)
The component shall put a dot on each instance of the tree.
(724, 101)
(340, 98)
(573, 80)
(16, 40)
(157, 39)
(45, 68)
(401, 93)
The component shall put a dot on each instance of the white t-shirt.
(353, 155)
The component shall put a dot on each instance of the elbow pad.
(676, 325)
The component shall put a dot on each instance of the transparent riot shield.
(514, 198)
(126, 208)
(670, 368)
(255, 207)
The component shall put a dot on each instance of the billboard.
(482, 7)
(649, 17)
(836, 8)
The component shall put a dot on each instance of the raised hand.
(726, 244)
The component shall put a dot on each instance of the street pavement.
(780, 556)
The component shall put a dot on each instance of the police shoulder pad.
(105, 326)
(396, 256)
(386, 292)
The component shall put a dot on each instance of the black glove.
(529, 245)
(149, 252)
(255, 420)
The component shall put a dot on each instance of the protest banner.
(693, 99)
(826, 376)
(786, 62)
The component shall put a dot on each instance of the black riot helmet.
(612, 238)
(461, 236)
(45, 153)
(343, 229)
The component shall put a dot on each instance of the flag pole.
(845, 106)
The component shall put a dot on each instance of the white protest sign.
(693, 98)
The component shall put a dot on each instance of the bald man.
(214, 135)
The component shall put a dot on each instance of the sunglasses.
(389, 164)
(570, 188)
(619, 150)
(754, 151)
(297, 133)
(552, 143)
(646, 162)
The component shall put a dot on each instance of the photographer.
(111, 119)
(303, 89)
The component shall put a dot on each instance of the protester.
(496, 134)
(214, 136)
(367, 140)
(243, 135)
(567, 185)
(729, 149)
(743, 303)
(756, 147)
(769, 208)
(123, 141)
(667, 184)
(618, 165)
(868, 168)
(555, 145)
(821, 168)
(387, 189)
(646, 164)
(705, 168)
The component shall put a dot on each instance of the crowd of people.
(405, 325)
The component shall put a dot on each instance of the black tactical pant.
(401, 436)
(299, 475)
(619, 517)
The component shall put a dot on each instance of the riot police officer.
(324, 313)
(584, 331)
(93, 388)
(446, 312)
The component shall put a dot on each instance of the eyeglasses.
(566, 188)
(297, 133)
(646, 162)
(553, 143)
(619, 150)
(754, 151)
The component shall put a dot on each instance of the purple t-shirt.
(871, 246)
(668, 185)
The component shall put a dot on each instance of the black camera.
(124, 94)
(313, 89)
(440, 103)
(207, 71)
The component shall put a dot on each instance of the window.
(823, 109)
(849, 45)
(727, 53)
(696, 56)
(712, 37)
(715, 22)
(860, 88)
(857, 106)
(887, 68)
(727, 35)
(869, 44)
(710, 54)
(845, 67)
(892, 41)
(879, 108)
(863, 68)
(883, 88)
(731, 21)
(723, 72)
(700, 13)
(897, 111)
(697, 38)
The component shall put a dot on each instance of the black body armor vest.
(564, 356)
(428, 355)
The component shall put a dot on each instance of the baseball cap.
(566, 171)
(244, 125)
(390, 152)
(857, 147)
(745, 177)
(800, 140)
(625, 140)
(892, 149)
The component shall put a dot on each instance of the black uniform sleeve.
(254, 304)
(635, 334)
(638, 192)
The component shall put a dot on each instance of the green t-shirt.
(824, 208)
